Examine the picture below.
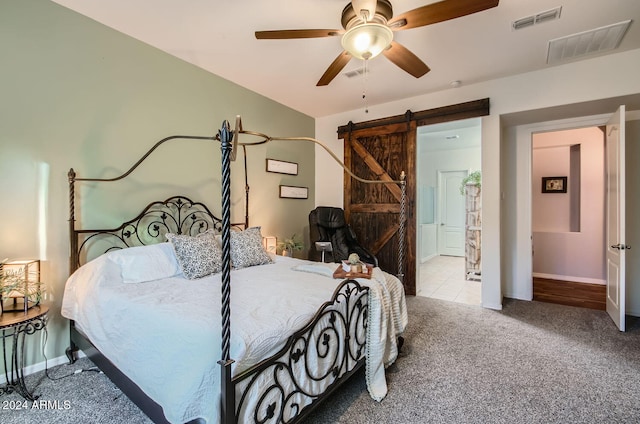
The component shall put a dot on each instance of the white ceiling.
(218, 35)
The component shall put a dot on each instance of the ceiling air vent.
(538, 18)
(588, 42)
(548, 15)
(523, 23)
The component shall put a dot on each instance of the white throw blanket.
(387, 320)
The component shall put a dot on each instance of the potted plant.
(474, 178)
(289, 245)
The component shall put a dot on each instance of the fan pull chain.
(365, 76)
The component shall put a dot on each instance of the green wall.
(78, 94)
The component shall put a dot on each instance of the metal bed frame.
(336, 333)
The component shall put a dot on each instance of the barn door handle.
(621, 246)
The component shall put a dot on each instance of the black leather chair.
(329, 225)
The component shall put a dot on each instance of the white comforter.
(165, 334)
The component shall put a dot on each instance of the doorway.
(568, 217)
(446, 154)
(519, 249)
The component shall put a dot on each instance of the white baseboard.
(495, 307)
(50, 363)
(634, 313)
(519, 296)
(570, 278)
(426, 258)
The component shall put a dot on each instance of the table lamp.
(20, 279)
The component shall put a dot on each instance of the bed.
(162, 323)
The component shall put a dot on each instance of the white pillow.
(146, 263)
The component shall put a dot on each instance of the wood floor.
(584, 295)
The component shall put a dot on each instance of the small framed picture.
(293, 192)
(282, 167)
(554, 184)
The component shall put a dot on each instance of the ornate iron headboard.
(177, 214)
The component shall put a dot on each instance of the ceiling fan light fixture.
(367, 40)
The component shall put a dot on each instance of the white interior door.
(451, 213)
(615, 227)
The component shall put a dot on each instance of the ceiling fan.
(368, 31)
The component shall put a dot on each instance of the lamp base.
(19, 304)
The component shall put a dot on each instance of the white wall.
(431, 162)
(550, 93)
(551, 212)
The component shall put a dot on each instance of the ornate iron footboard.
(315, 359)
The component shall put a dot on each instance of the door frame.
(523, 255)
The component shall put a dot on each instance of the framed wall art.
(554, 184)
(293, 192)
(282, 167)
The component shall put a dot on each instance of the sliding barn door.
(373, 210)
(380, 150)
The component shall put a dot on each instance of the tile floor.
(442, 277)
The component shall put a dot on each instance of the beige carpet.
(530, 363)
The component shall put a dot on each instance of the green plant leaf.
(475, 177)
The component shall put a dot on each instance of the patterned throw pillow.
(247, 249)
(198, 256)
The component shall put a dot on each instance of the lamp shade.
(21, 280)
(367, 41)
(270, 244)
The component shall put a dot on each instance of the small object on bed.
(366, 270)
(354, 265)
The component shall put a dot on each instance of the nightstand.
(15, 327)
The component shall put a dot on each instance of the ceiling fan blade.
(333, 69)
(406, 60)
(297, 33)
(439, 12)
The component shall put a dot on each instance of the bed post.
(73, 239)
(73, 255)
(246, 189)
(227, 391)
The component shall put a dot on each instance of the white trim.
(633, 312)
(50, 363)
(524, 134)
(520, 295)
(425, 259)
(495, 307)
(570, 278)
